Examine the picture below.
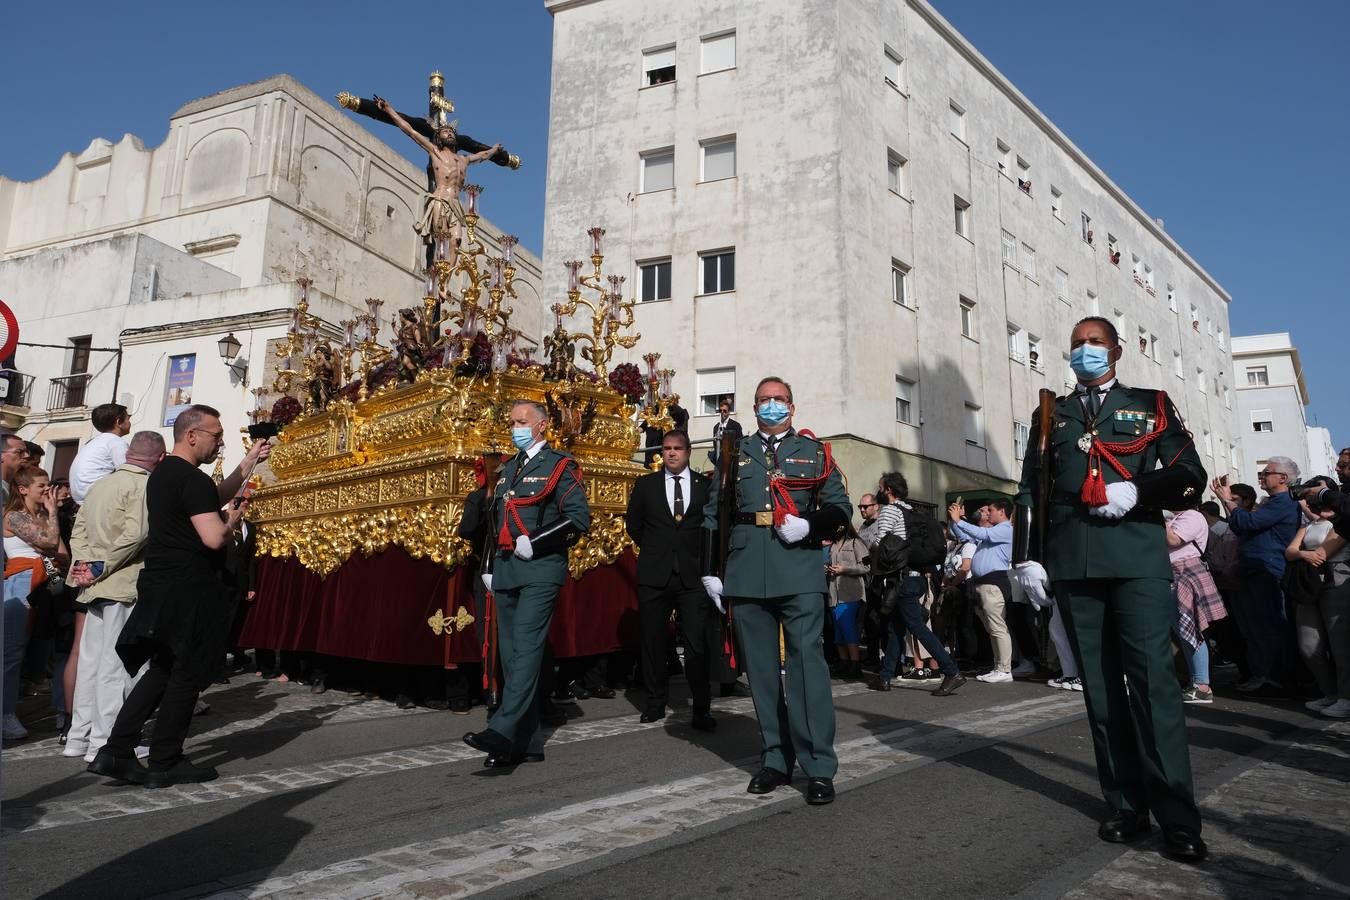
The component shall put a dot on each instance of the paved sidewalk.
(1279, 829)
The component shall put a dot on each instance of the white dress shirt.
(685, 488)
(99, 456)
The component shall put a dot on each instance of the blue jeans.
(908, 616)
(17, 589)
(1197, 658)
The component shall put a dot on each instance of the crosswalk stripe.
(521, 848)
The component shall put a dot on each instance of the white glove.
(524, 549)
(793, 529)
(487, 580)
(1120, 499)
(1031, 577)
(713, 585)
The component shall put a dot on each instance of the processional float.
(377, 449)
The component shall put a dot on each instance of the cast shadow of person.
(194, 861)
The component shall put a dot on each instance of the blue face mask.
(522, 437)
(772, 412)
(1090, 362)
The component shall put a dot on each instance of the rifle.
(727, 457)
(1029, 522)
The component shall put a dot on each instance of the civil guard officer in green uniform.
(539, 509)
(790, 495)
(1119, 456)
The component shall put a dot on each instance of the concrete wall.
(816, 229)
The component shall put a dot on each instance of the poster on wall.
(178, 387)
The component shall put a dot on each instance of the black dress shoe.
(318, 687)
(1180, 843)
(184, 771)
(489, 742)
(438, 704)
(879, 684)
(819, 791)
(653, 714)
(403, 701)
(766, 780)
(506, 760)
(703, 721)
(1124, 826)
(604, 692)
(120, 768)
(460, 706)
(949, 685)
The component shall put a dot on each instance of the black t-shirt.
(175, 492)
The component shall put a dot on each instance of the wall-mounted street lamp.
(229, 351)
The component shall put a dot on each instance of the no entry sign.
(9, 332)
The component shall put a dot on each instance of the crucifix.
(440, 138)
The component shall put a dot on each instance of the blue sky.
(1227, 118)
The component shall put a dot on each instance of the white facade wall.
(1271, 389)
(1322, 452)
(816, 228)
(163, 251)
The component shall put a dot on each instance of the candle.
(557, 314)
(573, 275)
(595, 234)
(304, 290)
(471, 323)
(431, 281)
(499, 358)
(509, 242)
(473, 191)
(442, 247)
(496, 281)
(374, 304)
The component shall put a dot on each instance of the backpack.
(927, 546)
(1220, 556)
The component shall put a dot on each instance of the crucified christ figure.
(442, 211)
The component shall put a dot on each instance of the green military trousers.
(1120, 629)
(796, 717)
(523, 616)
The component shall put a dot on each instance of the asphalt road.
(990, 793)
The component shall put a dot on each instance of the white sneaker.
(89, 757)
(1025, 667)
(1338, 710)
(1074, 684)
(994, 676)
(1057, 683)
(11, 729)
(75, 748)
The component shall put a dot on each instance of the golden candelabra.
(610, 313)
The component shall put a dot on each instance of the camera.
(1310, 489)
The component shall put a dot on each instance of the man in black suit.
(725, 424)
(665, 519)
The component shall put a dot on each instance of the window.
(1209, 326)
(1029, 261)
(1070, 377)
(1200, 380)
(1056, 203)
(895, 173)
(654, 280)
(1148, 279)
(1061, 284)
(1021, 437)
(718, 53)
(1034, 352)
(1119, 318)
(1209, 445)
(1176, 364)
(895, 70)
(1195, 318)
(1218, 336)
(713, 385)
(968, 318)
(904, 400)
(1258, 375)
(1004, 159)
(719, 159)
(1153, 347)
(1134, 268)
(1262, 421)
(79, 355)
(962, 211)
(1087, 227)
(1009, 249)
(958, 120)
(1232, 456)
(974, 425)
(900, 283)
(1143, 340)
(1015, 344)
(1094, 306)
(658, 170)
(658, 66)
(1112, 249)
(1227, 397)
(1171, 298)
(1024, 175)
(719, 271)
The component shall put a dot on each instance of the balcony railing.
(15, 388)
(67, 391)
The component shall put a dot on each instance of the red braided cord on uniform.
(1094, 485)
(781, 488)
(515, 504)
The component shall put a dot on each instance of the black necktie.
(521, 459)
(771, 450)
(679, 498)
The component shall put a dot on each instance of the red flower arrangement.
(626, 378)
(285, 410)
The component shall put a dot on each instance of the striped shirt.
(891, 521)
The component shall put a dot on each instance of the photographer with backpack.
(909, 543)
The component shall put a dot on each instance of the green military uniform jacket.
(759, 564)
(1168, 474)
(568, 499)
